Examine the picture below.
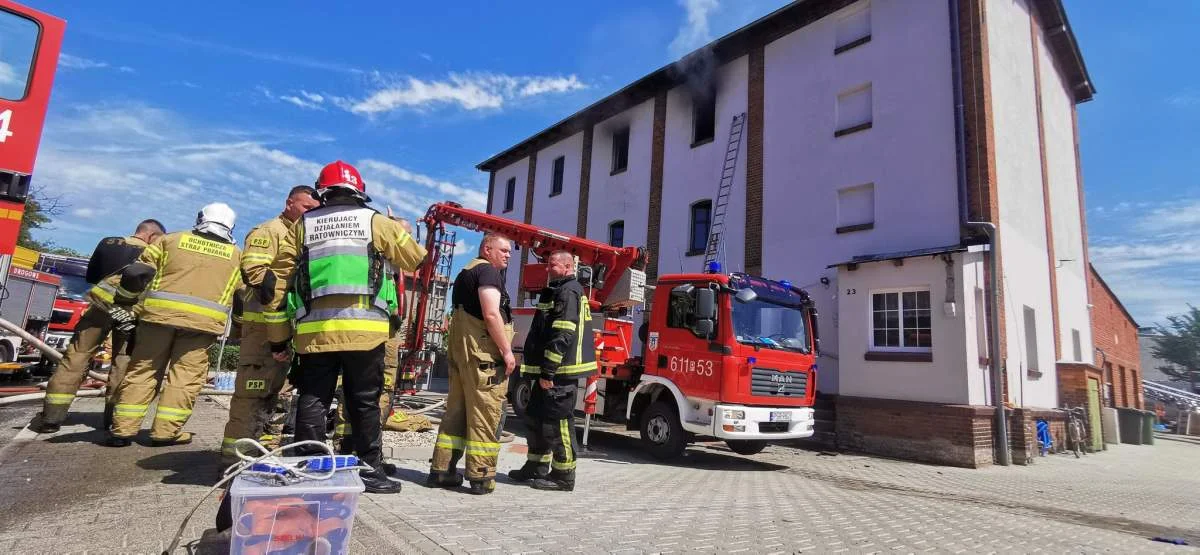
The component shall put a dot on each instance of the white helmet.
(218, 219)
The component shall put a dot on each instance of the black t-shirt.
(110, 256)
(466, 290)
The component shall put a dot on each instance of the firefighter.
(111, 255)
(481, 359)
(189, 279)
(261, 381)
(343, 300)
(559, 352)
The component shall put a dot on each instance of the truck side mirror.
(745, 296)
(703, 328)
(706, 304)
(684, 290)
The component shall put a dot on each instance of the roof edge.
(1113, 295)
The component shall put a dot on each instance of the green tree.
(40, 211)
(1179, 344)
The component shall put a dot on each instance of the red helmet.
(341, 174)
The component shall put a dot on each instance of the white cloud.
(302, 103)
(471, 198)
(462, 247)
(76, 62)
(168, 166)
(7, 75)
(694, 32)
(312, 97)
(1151, 257)
(469, 91)
(1185, 99)
(157, 39)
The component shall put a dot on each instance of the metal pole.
(1003, 456)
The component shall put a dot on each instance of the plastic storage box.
(308, 517)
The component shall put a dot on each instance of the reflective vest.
(194, 282)
(560, 345)
(338, 259)
(262, 244)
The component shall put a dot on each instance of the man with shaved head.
(559, 351)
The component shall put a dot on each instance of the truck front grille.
(768, 382)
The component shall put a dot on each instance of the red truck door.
(674, 351)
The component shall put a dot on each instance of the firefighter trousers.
(254, 409)
(341, 429)
(478, 388)
(90, 333)
(362, 382)
(184, 355)
(551, 423)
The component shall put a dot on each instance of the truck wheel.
(518, 395)
(662, 432)
(746, 446)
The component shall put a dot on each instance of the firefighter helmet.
(341, 175)
(217, 219)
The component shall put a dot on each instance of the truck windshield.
(73, 286)
(770, 325)
(18, 41)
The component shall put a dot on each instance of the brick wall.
(1115, 333)
(654, 222)
(1072, 383)
(585, 182)
(518, 297)
(754, 161)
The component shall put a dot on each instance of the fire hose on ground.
(56, 357)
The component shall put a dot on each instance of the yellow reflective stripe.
(552, 356)
(538, 458)
(228, 441)
(565, 432)
(126, 293)
(563, 325)
(370, 326)
(275, 317)
(230, 288)
(130, 410)
(187, 307)
(256, 257)
(482, 448)
(253, 317)
(172, 414)
(60, 398)
(569, 465)
(545, 306)
(575, 368)
(531, 369)
(447, 441)
(154, 251)
(101, 294)
(585, 314)
(341, 429)
(161, 255)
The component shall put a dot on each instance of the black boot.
(391, 470)
(483, 487)
(556, 481)
(39, 425)
(108, 416)
(377, 482)
(117, 441)
(448, 479)
(531, 471)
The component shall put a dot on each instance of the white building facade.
(855, 177)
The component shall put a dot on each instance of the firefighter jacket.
(263, 292)
(189, 280)
(338, 261)
(111, 256)
(560, 345)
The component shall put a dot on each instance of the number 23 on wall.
(5, 121)
(852, 291)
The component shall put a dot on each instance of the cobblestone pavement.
(64, 493)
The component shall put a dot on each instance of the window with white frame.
(854, 110)
(853, 29)
(901, 320)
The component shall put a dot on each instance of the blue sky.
(160, 108)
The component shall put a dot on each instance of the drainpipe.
(1003, 455)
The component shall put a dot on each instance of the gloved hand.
(123, 319)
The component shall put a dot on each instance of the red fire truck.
(729, 356)
(29, 45)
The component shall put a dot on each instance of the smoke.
(694, 31)
(697, 71)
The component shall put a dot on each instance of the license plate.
(781, 416)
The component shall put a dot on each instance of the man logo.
(349, 177)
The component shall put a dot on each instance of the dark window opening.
(704, 117)
(620, 150)
(616, 234)
(510, 191)
(701, 221)
(556, 182)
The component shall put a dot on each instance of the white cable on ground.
(85, 393)
(268, 456)
(43, 347)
